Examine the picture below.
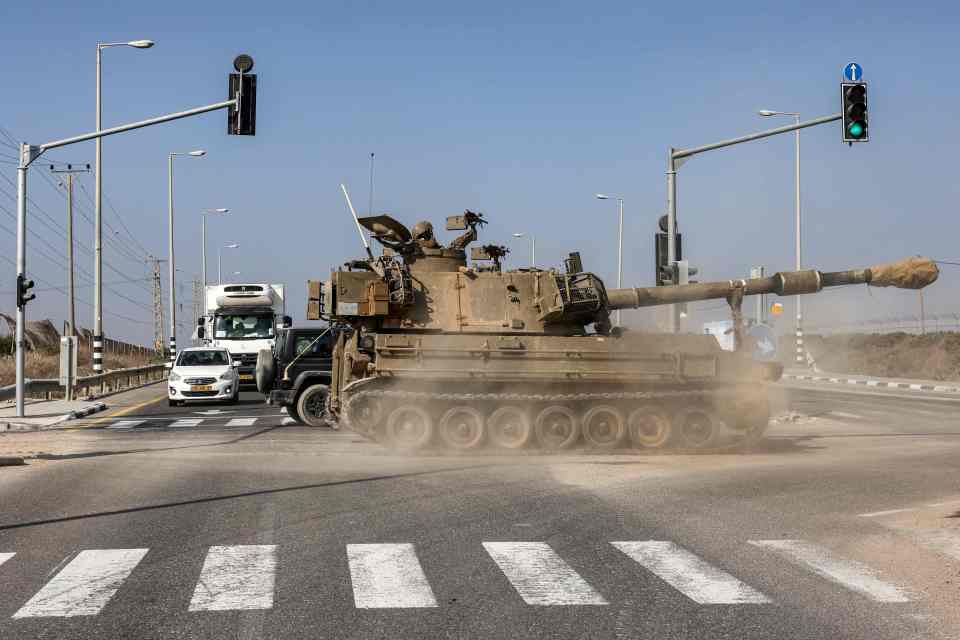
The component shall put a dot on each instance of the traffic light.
(855, 120)
(662, 267)
(242, 118)
(23, 291)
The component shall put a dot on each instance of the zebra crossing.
(151, 423)
(391, 576)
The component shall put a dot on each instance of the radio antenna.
(363, 237)
(370, 208)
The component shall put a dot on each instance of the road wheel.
(604, 427)
(462, 428)
(696, 428)
(649, 427)
(557, 427)
(266, 371)
(364, 413)
(311, 405)
(509, 428)
(235, 398)
(409, 428)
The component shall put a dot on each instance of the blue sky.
(523, 112)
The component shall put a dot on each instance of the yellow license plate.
(246, 376)
(201, 387)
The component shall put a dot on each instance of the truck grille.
(200, 380)
(246, 359)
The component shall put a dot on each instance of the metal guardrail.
(90, 385)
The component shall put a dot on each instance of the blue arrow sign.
(853, 72)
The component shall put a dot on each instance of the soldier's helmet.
(423, 230)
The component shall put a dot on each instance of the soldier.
(423, 235)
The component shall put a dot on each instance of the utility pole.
(158, 332)
(197, 303)
(71, 297)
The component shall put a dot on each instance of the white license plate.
(201, 387)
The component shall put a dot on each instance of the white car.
(203, 374)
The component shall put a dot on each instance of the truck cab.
(244, 319)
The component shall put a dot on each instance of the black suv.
(296, 374)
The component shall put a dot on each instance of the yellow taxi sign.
(776, 309)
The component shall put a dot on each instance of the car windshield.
(240, 327)
(209, 358)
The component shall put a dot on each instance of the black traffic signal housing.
(242, 118)
(855, 120)
(23, 291)
(663, 270)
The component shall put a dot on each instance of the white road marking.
(847, 573)
(388, 576)
(6, 556)
(540, 576)
(85, 585)
(888, 512)
(236, 577)
(689, 574)
(287, 421)
(185, 423)
(125, 424)
(844, 414)
(948, 503)
(241, 422)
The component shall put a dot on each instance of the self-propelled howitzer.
(454, 356)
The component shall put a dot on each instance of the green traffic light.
(857, 129)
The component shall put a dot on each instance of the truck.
(244, 319)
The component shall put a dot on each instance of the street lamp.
(768, 113)
(603, 196)
(533, 247)
(173, 295)
(98, 206)
(203, 238)
(232, 245)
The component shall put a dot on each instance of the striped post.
(173, 348)
(801, 357)
(98, 354)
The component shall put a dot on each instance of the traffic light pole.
(676, 159)
(28, 154)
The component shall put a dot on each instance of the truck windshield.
(243, 327)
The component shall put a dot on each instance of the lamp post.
(232, 245)
(98, 206)
(203, 239)
(173, 289)
(533, 247)
(603, 196)
(800, 359)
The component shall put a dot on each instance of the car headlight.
(227, 375)
(174, 377)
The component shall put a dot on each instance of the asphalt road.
(182, 523)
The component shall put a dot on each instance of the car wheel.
(292, 412)
(173, 403)
(311, 405)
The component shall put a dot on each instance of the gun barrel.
(912, 273)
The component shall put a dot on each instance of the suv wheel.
(311, 405)
(292, 412)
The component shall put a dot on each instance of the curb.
(11, 461)
(99, 406)
(863, 382)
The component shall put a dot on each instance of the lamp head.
(140, 44)
(767, 112)
(197, 153)
(602, 196)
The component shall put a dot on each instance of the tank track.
(674, 421)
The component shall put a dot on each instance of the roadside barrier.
(88, 386)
